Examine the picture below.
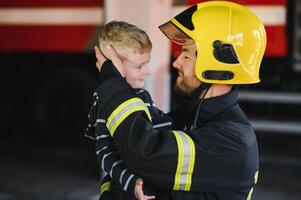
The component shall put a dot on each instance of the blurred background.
(48, 74)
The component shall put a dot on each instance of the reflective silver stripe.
(102, 136)
(103, 159)
(186, 157)
(140, 91)
(114, 164)
(183, 175)
(162, 125)
(122, 173)
(100, 121)
(97, 152)
(148, 104)
(127, 182)
(88, 136)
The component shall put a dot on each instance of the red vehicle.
(47, 65)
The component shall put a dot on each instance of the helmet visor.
(175, 34)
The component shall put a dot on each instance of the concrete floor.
(48, 173)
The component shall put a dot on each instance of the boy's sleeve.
(110, 161)
(160, 120)
(108, 158)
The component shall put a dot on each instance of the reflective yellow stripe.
(256, 177)
(255, 181)
(186, 159)
(105, 187)
(123, 111)
(191, 162)
(180, 161)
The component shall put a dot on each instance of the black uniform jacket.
(217, 160)
(119, 179)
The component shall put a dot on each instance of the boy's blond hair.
(123, 36)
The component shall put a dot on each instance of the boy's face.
(136, 68)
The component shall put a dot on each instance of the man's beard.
(182, 89)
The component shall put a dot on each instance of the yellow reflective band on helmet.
(186, 159)
(105, 187)
(255, 181)
(175, 34)
(123, 111)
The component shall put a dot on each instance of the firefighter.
(212, 152)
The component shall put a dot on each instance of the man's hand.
(100, 58)
(139, 194)
(112, 56)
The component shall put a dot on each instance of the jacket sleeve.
(164, 158)
(110, 161)
(160, 120)
(108, 158)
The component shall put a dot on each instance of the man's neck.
(218, 90)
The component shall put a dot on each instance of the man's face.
(136, 69)
(185, 62)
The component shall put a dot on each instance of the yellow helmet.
(230, 41)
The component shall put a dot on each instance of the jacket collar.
(215, 105)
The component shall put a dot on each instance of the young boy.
(134, 47)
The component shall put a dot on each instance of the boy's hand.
(139, 194)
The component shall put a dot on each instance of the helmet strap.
(195, 94)
(202, 95)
